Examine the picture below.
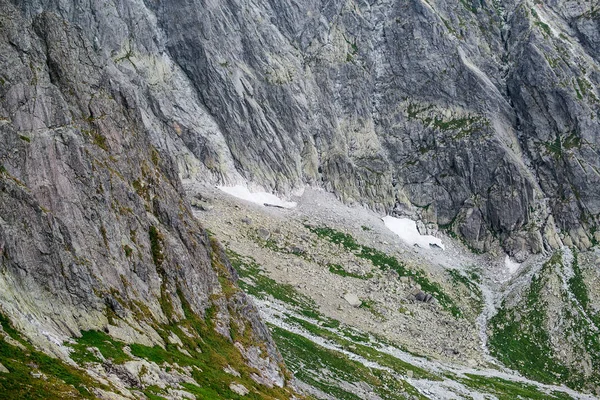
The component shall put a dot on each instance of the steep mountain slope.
(549, 328)
(477, 118)
(97, 238)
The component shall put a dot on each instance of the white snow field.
(262, 198)
(511, 265)
(406, 229)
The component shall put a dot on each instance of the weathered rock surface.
(478, 118)
(352, 299)
(481, 118)
(239, 389)
(95, 231)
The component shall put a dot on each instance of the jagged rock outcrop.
(553, 86)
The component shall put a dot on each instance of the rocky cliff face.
(96, 236)
(479, 117)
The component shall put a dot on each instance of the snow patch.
(511, 265)
(406, 229)
(262, 198)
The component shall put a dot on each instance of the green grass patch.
(577, 284)
(309, 362)
(362, 347)
(509, 390)
(99, 140)
(154, 393)
(469, 282)
(203, 349)
(106, 345)
(581, 326)
(555, 148)
(466, 125)
(519, 336)
(459, 278)
(462, 126)
(254, 281)
(156, 245)
(469, 6)
(341, 271)
(585, 89)
(208, 353)
(200, 392)
(62, 380)
(545, 28)
(128, 251)
(414, 110)
(370, 305)
(348, 339)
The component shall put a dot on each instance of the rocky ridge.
(98, 244)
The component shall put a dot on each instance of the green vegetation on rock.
(367, 349)
(253, 281)
(469, 283)
(385, 262)
(109, 348)
(308, 361)
(522, 339)
(156, 245)
(577, 284)
(204, 350)
(429, 116)
(296, 348)
(35, 375)
(341, 271)
(199, 348)
(509, 390)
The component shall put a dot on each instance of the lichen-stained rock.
(553, 85)
(478, 118)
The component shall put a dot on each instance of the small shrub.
(156, 240)
(128, 251)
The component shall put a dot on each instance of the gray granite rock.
(95, 227)
(479, 114)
